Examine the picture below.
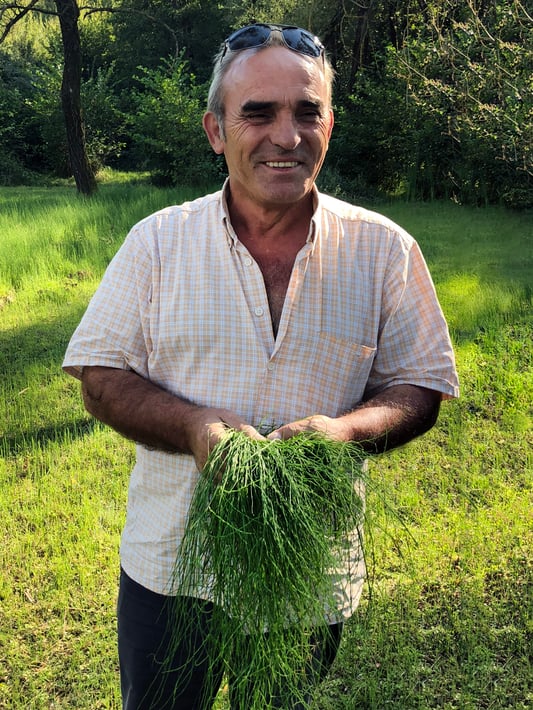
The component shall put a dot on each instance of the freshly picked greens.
(268, 523)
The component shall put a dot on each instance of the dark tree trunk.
(70, 97)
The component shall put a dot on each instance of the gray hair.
(222, 63)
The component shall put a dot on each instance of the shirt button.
(258, 311)
(248, 261)
(270, 366)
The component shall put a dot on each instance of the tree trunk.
(68, 12)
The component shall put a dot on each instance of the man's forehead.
(275, 71)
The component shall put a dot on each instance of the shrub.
(18, 145)
(165, 121)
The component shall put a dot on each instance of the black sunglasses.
(257, 35)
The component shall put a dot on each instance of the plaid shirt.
(184, 305)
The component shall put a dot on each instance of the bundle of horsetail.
(270, 523)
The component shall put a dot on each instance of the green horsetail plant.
(271, 526)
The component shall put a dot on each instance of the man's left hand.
(335, 429)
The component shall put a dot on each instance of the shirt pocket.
(332, 372)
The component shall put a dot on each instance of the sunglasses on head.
(257, 35)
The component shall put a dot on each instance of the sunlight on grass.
(48, 233)
(469, 303)
(64, 502)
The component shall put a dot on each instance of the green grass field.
(447, 618)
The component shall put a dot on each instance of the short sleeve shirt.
(184, 304)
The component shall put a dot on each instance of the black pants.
(143, 638)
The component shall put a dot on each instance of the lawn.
(447, 617)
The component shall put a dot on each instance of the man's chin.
(286, 191)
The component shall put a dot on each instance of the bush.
(165, 120)
(368, 145)
(18, 144)
(104, 121)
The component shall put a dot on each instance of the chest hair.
(276, 276)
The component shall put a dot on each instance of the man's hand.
(207, 427)
(389, 419)
(335, 429)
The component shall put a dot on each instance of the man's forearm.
(393, 417)
(137, 409)
(149, 415)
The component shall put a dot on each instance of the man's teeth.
(279, 164)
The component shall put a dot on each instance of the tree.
(68, 14)
(165, 120)
(468, 69)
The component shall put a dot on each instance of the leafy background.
(433, 99)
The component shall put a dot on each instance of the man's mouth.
(282, 163)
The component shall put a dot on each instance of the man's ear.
(213, 132)
(331, 122)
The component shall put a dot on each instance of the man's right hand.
(149, 415)
(208, 426)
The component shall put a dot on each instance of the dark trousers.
(143, 641)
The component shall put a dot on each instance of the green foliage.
(368, 145)
(17, 122)
(47, 108)
(468, 72)
(105, 129)
(444, 108)
(433, 99)
(103, 120)
(267, 526)
(145, 34)
(165, 124)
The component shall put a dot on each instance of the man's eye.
(308, 116)
(257, 116)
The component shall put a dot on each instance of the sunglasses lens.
(295, 38)
(302, 41)
(247, 37)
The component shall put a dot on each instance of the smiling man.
(267, 307)
(274, 135)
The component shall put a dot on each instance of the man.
(266, 307)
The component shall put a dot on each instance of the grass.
(447, 617)
(271, 518)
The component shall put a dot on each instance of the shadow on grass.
(34, 198)
(22, 442)
(41, 404)
(41, 343)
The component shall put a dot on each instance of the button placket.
(255, 294)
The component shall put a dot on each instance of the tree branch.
(19, 11)
(91, 10)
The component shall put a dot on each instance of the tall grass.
(46, 233)
(447, 617)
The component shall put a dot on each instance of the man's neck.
(270, 224)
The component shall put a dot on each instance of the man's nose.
(285, 133)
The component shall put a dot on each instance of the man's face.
(277, 126)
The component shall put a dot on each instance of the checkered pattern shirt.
(184, 304)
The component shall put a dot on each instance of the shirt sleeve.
(114, 331)
(414, 344)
